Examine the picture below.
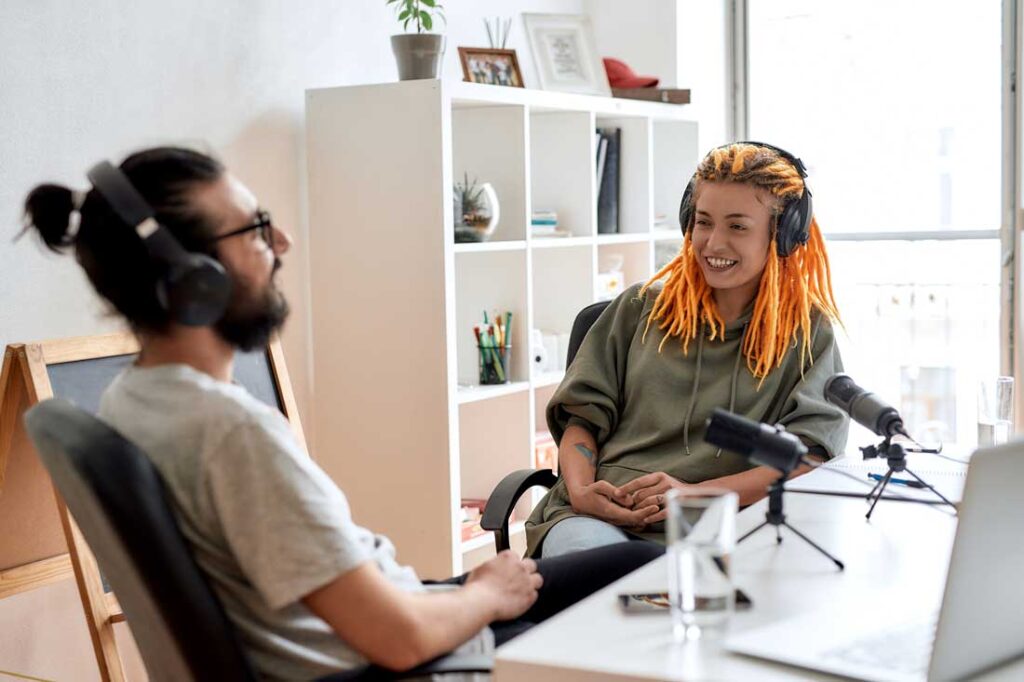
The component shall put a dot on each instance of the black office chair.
(506, 494)
(118, 500)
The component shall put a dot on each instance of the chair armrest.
(452, 663)
(504, 498)
(449, 663)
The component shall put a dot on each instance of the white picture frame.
(565, 54)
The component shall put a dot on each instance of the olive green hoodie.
(647, 409)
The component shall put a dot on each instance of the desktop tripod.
(896, 455)
(775, 517)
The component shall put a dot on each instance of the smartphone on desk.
(657, 602)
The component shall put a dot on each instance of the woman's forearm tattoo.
(586, 452)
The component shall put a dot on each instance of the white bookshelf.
(543, 379)
(469, 393)
(399, 420)
(514, 245)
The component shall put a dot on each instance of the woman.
(740, 319)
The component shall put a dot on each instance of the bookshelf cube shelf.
(494, 439)
(487, 146)
(562, 168)
(634, 173)
(490, 281)
(400, 421)
(674, 159)
(635, 258)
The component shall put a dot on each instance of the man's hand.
(604, 501)
(649, 491)
(509, 581)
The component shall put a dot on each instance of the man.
(309, 591)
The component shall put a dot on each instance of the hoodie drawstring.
(696, 385)
(735, 376)
(693, 393)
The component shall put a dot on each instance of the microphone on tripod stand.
(864, 407)
(770, 446)
(868, 410)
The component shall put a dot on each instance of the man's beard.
(249, 321)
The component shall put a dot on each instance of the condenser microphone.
(864, 407)
(770, 446)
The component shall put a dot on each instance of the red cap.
(621, 76)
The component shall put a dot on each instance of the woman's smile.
(720, 264)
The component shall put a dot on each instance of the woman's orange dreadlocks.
(790, 287)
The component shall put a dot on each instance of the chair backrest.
(119, 501)
(585, 319)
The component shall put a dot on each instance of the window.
(895, 108)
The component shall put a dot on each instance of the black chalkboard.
(83, 381)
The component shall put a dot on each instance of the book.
(608, 191)
(472, 512)
(545, 233)
(471, 529)
(602, 150)
(667, 95)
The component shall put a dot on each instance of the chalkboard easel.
(39, 540)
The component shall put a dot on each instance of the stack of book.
(545, 224)
(471, 514)
(545, 452)
(472, 511)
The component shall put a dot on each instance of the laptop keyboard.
(904, 649)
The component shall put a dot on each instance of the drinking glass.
(995, 411)
(701, 535)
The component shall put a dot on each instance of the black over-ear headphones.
(793, 226)
(195, 288)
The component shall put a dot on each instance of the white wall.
(642, 33)
(701, 28)
(80, 81)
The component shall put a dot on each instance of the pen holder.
(494, 364)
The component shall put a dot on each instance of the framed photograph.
(490, 66)
(565, 54)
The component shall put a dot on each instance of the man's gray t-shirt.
(266, 524)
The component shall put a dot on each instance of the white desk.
(895, 562)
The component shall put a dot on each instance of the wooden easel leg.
(94, 601)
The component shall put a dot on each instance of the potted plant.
(418, 54)
(476, 210)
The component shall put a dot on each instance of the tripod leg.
(884, 482)
(778, 536)
(806, 539)
(929, 486)
(751, 532)
(878, 484)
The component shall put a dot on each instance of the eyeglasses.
(263, 223)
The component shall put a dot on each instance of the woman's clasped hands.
(635, 505)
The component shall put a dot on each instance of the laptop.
(980, 624)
